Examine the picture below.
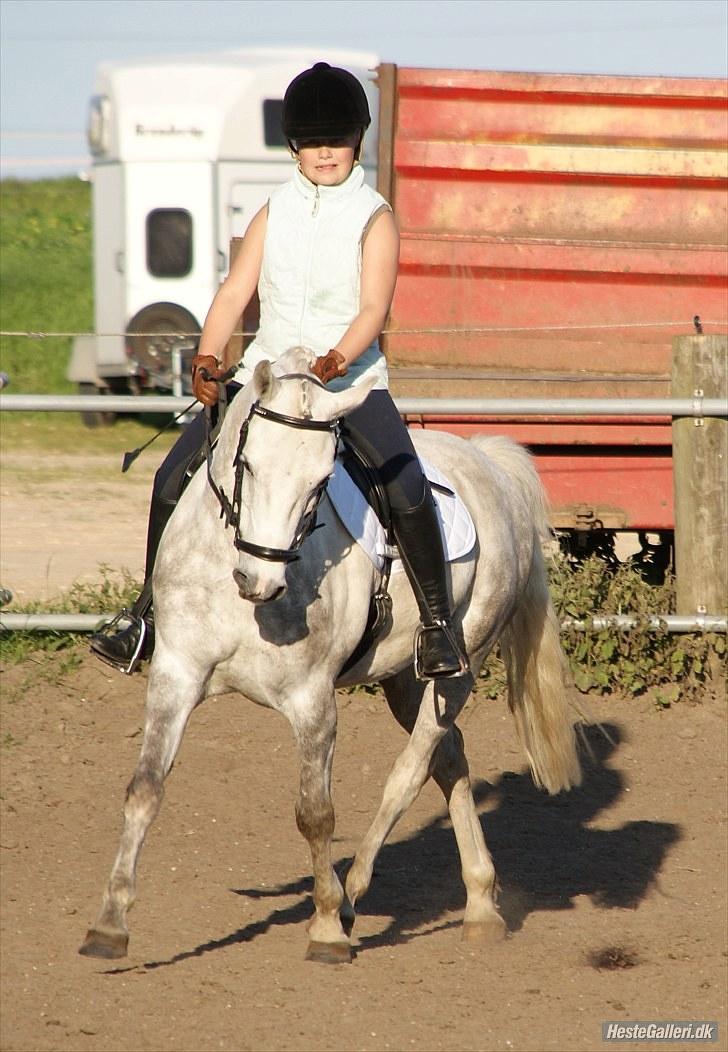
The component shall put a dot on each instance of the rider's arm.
(236, 291)
(380, 258)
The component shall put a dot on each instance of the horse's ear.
(263, 380)
(351, 398)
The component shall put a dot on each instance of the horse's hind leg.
(428, 713)
(170, 700)
(450, 771)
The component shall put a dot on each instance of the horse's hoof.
(329, 952)
(491, 930)
(109, 945)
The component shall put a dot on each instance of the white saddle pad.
(456, 525)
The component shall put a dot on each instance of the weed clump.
(630, 661)
(109, 595)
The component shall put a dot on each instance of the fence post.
(700, 467)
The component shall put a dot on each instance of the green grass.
(45, 277)
(46, 286)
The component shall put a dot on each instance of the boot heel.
(451, 663)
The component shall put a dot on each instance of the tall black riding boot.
(438, 652)
(127, 646)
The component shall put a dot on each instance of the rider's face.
(327, 162)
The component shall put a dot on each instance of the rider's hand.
(329, 366)
(205, 390)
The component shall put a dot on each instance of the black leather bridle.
(230, 509)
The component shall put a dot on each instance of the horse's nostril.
(240, 579)
(278, 593)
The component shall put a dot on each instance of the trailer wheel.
(656, 557)
(152, 353)
(95, 417)
(580, 545)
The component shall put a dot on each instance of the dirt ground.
(63, 516)
(614, 895)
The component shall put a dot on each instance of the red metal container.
(557, 232)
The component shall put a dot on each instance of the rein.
(230, 509)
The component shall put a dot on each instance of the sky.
(49, 49)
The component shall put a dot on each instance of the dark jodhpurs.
(375, 426)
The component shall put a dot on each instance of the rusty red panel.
(588, 478)
(557, 223)
(622, 492)
(547, 431)
(565, 86)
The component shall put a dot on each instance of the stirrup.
(138, 650)
(438, 625)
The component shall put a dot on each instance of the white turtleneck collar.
(312, 191)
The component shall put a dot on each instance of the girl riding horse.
(323, 256)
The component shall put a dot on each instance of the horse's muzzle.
(256, 590)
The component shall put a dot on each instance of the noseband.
(230, 509)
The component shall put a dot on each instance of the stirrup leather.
(438, 625)
(138, 650)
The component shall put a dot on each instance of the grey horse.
(280, 629)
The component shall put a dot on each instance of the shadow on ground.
(544, 850)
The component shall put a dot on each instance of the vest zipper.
(314, 214)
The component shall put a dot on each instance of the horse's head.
(286, 457)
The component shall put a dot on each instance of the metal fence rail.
(675, 407)
(696, 407)
(673, 623)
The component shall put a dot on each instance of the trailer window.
(272, 131)
(169, 242)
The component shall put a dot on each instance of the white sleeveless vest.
(309, 287)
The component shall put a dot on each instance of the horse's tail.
(530, 645)
(537, 685)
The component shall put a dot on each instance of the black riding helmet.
(324, 102)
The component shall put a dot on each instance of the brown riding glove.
(329, 366)
(206, 391)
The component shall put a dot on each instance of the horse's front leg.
(439, 706)
(315, 731)
(172, 695)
